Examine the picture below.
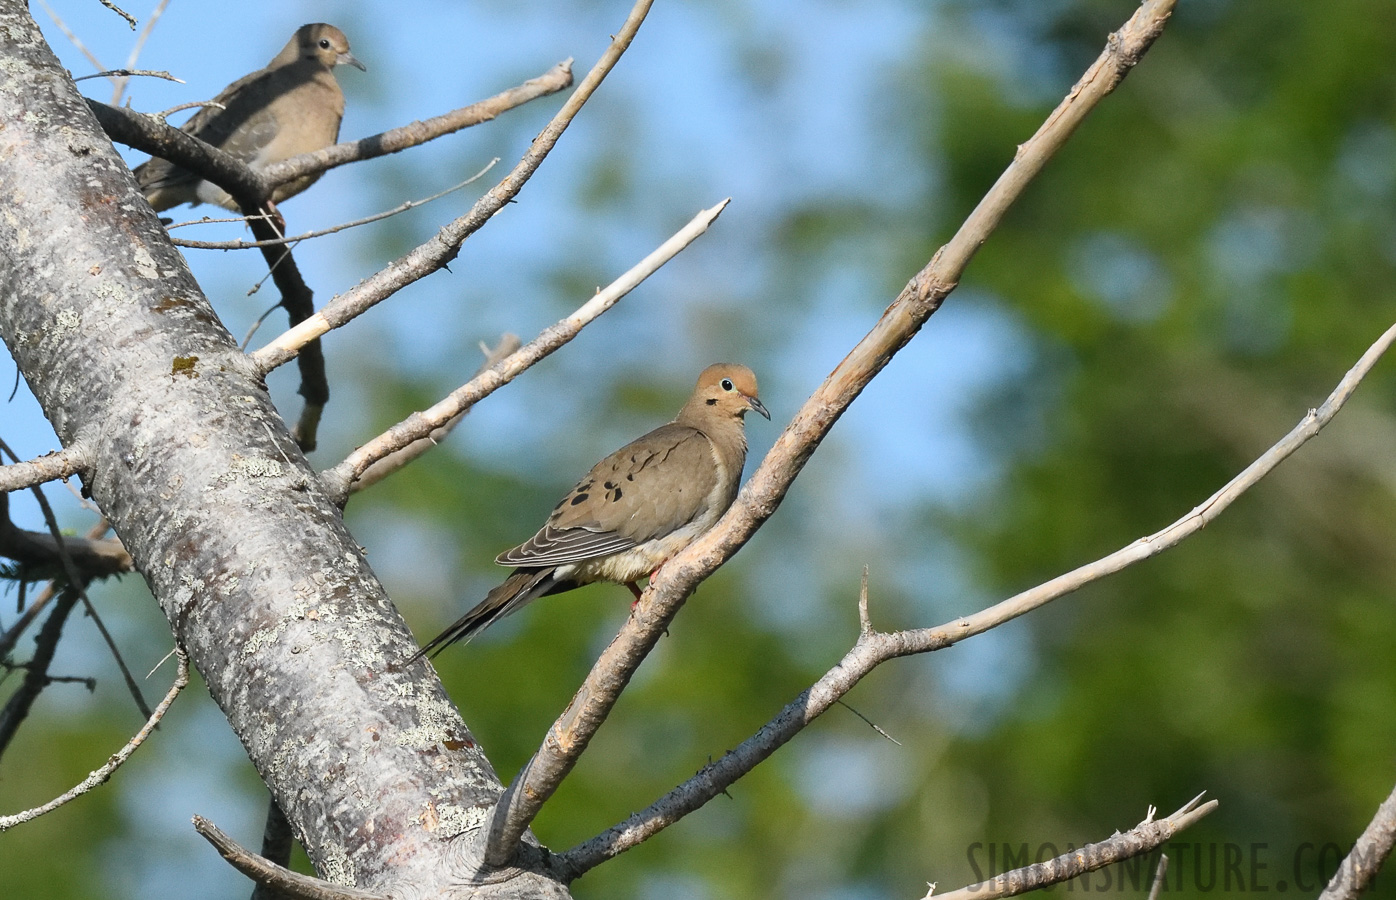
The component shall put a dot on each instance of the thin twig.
(873, 649)
(344, 226)
(870, 723)
(128, 73)
(1361, 865)
(130, 19)
(209, 220)
(50, 467)
(421, 424)
(100, 776)
(120, 86)
(1139, 840)
(558, 78)
(568, 737)
(36, 672)
(278, 878)
(164, 114)
(393, 462)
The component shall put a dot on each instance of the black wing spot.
(580, 498)
(618, 494)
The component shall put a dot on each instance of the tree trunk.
(251, 563)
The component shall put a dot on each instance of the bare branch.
(420, 424)
(130, 19)
(343, 226)
(442, 248)
(666, 593)
(41, 556)
(9, 638)
(1369, 853)
(508, 344)
(128, 73)
(36, 673)
(100, 776)
(119, 87)
(278, 878)
(1139, 840)
(153, 135)
(49, 467)
(558, 78)
(874, 648)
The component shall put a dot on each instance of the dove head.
(724, 391)
(325, 44)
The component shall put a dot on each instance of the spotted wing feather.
(644, 491)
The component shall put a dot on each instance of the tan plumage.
(634, 509)
(292, 106)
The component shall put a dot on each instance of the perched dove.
(634, 509)
(292, 106)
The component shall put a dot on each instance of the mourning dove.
(634, 509)
(292, 106)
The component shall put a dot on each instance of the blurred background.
(1196, 269)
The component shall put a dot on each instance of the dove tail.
(518, 590)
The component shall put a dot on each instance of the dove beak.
(757, 405)
(347, 59)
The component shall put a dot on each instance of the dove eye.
(727, 384)
(324, 43)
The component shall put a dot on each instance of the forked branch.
(570, 734)
(874, 647)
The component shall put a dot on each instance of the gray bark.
(247, 556)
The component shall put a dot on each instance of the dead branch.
(333, 229)
(277, 878)
(558, 78)
(508, 344)
(1139, 840)
(51, 466)
(8, 639)
(100, 776)
(152, 135)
